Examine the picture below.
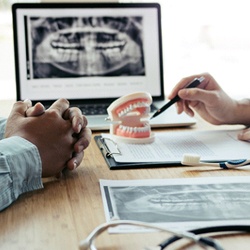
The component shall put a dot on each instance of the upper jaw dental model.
(129, 118)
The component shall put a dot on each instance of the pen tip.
(152, 116)
(155, 114)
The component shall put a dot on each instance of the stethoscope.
(208, 241)
(193, 235)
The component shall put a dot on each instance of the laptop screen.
(87, 51)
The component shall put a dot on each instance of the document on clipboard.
(169, 148)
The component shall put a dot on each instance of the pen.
(193, 84)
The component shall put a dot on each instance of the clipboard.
(113, 165)
(168, 149)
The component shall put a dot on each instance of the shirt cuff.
(24, 162)
(2, 127)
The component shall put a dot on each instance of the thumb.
(244, 135)
(37, 110)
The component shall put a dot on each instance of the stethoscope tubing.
(206, 230)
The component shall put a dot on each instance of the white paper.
(170, 146)
(179, 204)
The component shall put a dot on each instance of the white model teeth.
(134, 129)
(131, 107)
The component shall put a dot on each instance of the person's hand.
(212, 103)
(50, 132)
(36, 110)
(244, 135)
(81, 132)
(79, 123)
(208, 100)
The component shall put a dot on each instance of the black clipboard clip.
(103, 146)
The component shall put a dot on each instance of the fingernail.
(190, 114)
(79, 128)
(28, 101)
(75, 164)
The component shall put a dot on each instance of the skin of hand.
(53, 134)
(211, 102)
(81, 132)
(79, 123)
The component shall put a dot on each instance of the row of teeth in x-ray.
(97, 46)
(110, 55)
(202, 200)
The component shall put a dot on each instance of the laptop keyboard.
(100, 109)
(94, 109)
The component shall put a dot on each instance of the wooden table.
(67, 210)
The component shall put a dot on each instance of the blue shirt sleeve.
(2, 127)
(20, 169)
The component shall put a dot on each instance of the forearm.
(20, 169)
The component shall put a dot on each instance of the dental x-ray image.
(86, 46)
(180, 203)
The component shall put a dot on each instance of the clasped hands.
(60, 133)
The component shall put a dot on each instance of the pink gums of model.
(129, 118)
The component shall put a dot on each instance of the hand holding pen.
(210, 102)
(193, 84)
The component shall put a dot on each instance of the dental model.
(129, 118)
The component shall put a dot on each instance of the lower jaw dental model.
(129, 118)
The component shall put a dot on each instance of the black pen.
(193, 84)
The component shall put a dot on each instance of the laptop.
(91, 54)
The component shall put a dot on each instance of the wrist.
(241, 112)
